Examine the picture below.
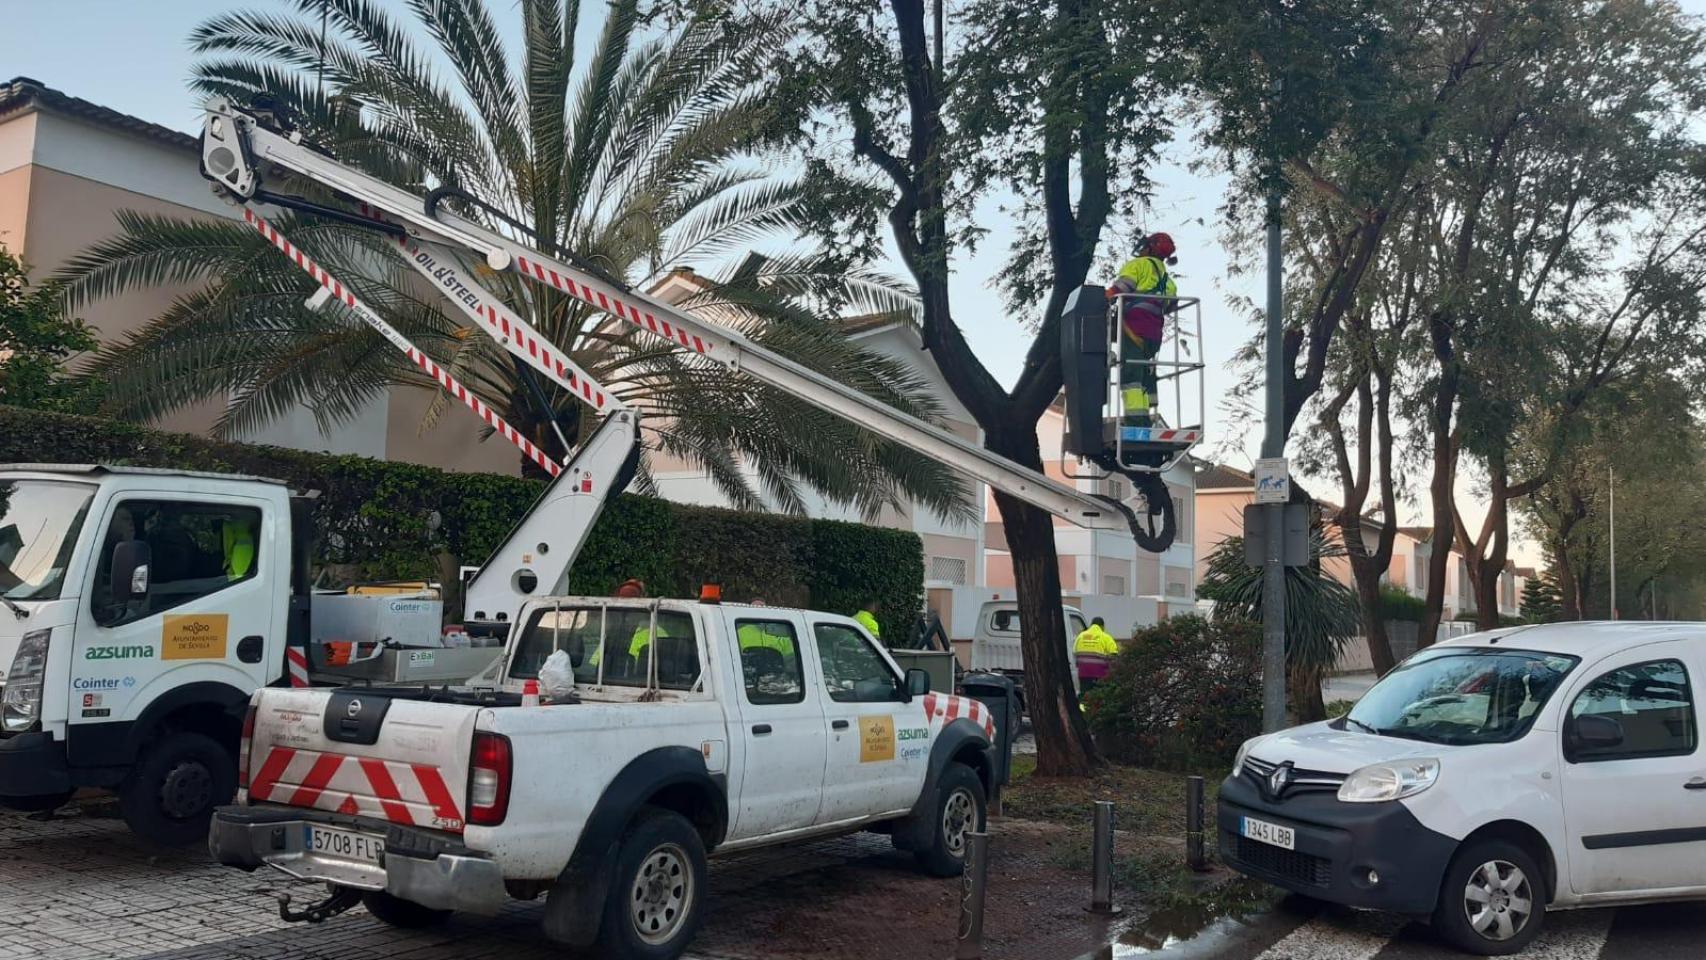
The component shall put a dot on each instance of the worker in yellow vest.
(753, 635)
(867, 618)
(1093, 649)
(238, 537)
(1150, 294)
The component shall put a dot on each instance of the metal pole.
(1273, 445)
(968, 939)
(1611, 488)
(1102, 860)
(1194, 855)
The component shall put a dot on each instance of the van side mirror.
(1594, 732)
(130, 569)
(917, 683)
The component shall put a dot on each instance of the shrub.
(383, 520)
(1396, 603)
(1181, 695)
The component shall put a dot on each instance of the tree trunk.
(1307, 703)
(1569, 601)
(1373, 624)
(1439, 548)
(1055, 715)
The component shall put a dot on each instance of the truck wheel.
(960, 809)
(1492, 901)
(400, 913)
(170, 794)
(653, 910)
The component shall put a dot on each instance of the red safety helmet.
(1157, 245)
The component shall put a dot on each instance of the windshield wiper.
(1351, 719)
(17, 611)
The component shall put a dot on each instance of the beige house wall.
(14, 208)
(1220, 514)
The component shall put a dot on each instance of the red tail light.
(488, 780)
(243, 748)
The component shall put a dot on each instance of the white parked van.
(1489, 778)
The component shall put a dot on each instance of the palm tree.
(1322, 615)
(651, 156)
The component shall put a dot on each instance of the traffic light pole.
(1273, 445)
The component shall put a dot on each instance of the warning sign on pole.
(1273, 481)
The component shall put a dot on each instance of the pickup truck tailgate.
(360, 751)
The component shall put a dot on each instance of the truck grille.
(1284, 864)
(1256, 772)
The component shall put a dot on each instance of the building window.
(948, 570)
(1113, 586)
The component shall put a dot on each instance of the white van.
(1489, 778)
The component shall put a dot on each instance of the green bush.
(1396, 603)
(1181, 695)
(383, 520)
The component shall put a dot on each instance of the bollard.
(1102, 861)
(1194, 856)
(968, 942)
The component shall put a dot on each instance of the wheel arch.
(1528, 838)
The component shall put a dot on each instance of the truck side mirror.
(917, 683)
(130, 569)
(1596, 732)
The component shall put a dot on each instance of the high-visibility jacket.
(239, 542)
(753, 635)
(1143, 319)
(868, 620)
(1096, 640)
(637, 644)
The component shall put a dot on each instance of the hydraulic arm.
(239, 148)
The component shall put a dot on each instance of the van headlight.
(1378, 782)
(1243, 753)
(20, 706)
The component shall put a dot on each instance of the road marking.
(1337, 935)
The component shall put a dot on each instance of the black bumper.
(33, 765)
(1337, 845)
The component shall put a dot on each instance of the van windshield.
(1461, 695)
(39, 523)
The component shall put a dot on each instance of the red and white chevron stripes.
(413, 794)
(421, 360)
(941, 709)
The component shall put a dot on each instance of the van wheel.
(170, 794)
(960, 809)
(400, 913)
(1493, 899)
(653, 910)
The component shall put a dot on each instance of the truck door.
(202, 611)
(1635, 809)
(878, 740)
(781, 722)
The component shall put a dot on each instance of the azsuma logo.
(119, 653)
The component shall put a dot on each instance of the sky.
(134, 57)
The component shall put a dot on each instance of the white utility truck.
(998, 646)
(418, 802)
(143, 607)
(678, 735)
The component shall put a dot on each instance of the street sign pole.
(1273, 446)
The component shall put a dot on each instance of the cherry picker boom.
(243, 149)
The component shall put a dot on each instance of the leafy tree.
(648, 156)
(1321, 614)
(37, 338)
(1567, 217)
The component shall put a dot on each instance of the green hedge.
(383, 520)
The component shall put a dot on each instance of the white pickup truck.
(736, 727)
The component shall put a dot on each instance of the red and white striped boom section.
(343, 294)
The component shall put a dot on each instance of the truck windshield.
(39, 523)
(1462, 695)
(627, 657)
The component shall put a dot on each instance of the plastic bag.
(557, 676)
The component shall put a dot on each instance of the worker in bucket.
(1143, 318)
